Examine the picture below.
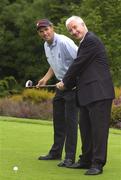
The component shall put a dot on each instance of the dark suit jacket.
(90, 72)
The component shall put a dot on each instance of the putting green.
(22, 141)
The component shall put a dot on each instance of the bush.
(116, 109)
(36, 103)
(31, 103)
(12, 83)
(24, 109)
(37, 95)
(116, 113)
(8, 86)
(116, 117)
(117, 92)
(3, 85)
(3, 88)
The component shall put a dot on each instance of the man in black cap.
(60, 52)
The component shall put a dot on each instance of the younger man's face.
(46, 33)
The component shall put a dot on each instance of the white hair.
(77, 19)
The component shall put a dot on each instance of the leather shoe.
(66, 163)
(79, 165)
(94, 171)
(49, 157)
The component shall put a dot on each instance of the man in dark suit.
(95, 92)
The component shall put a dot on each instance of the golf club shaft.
(43, 86)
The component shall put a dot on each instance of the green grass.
(22, 141)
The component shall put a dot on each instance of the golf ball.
(15, 168)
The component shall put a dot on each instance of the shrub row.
(33, 103)
(33, 95)
(26, 109)
(116, 113)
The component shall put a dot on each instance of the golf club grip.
(49, 85)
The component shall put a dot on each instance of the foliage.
(116, 114)
(3, 85)
(117, 92)
(21, 50)
(16, 98)
(38, 103)
(12, 83)
(3, 88)
(16, 107)
(8, 86)
(20, 46)
(116, 109)
(36, 95)
(103, 18)
(31, 103)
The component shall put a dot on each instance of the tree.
(20, 46)
(103, 18)
(21, 50)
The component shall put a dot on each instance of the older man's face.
(76, 29)
(46, 33)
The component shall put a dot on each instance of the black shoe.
(49, 157)
(80, 165)
(94, 171)
(66, 163)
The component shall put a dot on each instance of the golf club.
(29, 84)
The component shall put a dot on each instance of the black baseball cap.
(43, 23)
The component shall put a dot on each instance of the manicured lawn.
(22, 141)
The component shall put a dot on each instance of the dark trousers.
(94, 127)
(65, 123)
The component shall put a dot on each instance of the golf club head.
(29, 84)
